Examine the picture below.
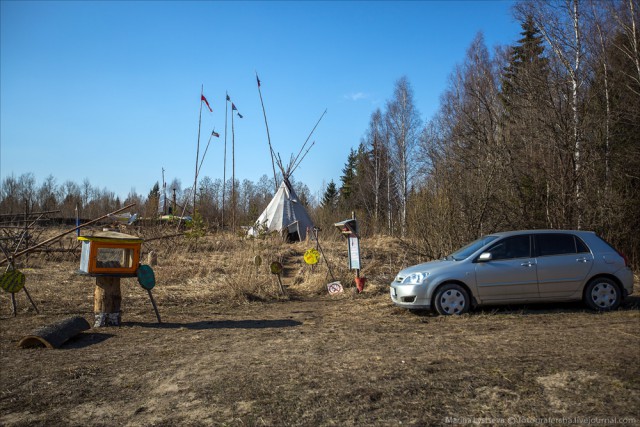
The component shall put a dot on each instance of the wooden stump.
(106, 301)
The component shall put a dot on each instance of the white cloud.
(356, 96)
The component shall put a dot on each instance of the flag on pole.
(216, 134)
(202, 98)
(228, 99)
(258, 79)
(233, 108)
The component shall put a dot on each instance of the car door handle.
(582, 260)
(527, 264)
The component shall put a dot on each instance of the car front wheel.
(602, 294)
(452, 299)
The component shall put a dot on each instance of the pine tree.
(527, 69)
(153, 201)
(349, 173)
(330, 197)
(524, 95)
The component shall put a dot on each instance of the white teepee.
(284, 214)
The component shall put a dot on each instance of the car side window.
(581, 246)
(510, 248)
(559, 244)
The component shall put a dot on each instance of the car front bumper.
(410, 296)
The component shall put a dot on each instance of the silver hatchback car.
(518, 267)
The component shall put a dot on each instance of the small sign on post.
(354, 253)
(349, 229)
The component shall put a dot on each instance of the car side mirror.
(485, 256)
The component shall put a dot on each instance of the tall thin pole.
(224, 168)
(195, 178)
(164, 194)
(233, 175)
(77, 220)
(264, 113)
(295, 160)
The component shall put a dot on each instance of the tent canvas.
(284, 212)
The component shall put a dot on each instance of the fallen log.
(54, 335)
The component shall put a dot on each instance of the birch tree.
(404, 125)
(560, 23)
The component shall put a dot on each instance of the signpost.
(349, 229)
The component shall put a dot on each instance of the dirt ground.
(308, 359)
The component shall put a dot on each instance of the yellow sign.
(311, 256)
(12, 281)
(276, 267)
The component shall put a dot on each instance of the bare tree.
(560, 23)
(404, 125)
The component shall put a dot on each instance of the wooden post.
(106, 301)
(13, 304)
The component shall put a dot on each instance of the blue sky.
(110, 91)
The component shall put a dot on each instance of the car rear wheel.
(452, 299)
(602, 294)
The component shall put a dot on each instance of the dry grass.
(233, 351)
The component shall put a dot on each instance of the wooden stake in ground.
(147, 279)
(106, 301)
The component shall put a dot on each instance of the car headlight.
(415, 278)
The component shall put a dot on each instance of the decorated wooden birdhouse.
(109, 253)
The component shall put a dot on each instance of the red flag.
(202, 98)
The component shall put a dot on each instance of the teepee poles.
(275, 181)
(295, 162)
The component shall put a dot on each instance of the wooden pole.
(164, 194)
(106, 301)
(264, 113)
(224, 161)
(295, 160)
(24, 288)
(153, 303)
(233, 174)
(284, 293)
(13, 304)
(195, 179)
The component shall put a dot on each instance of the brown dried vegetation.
(233, 351)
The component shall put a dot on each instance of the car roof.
(544, 231)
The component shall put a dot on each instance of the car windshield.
(467, 250)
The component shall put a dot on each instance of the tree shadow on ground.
(221, 324)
